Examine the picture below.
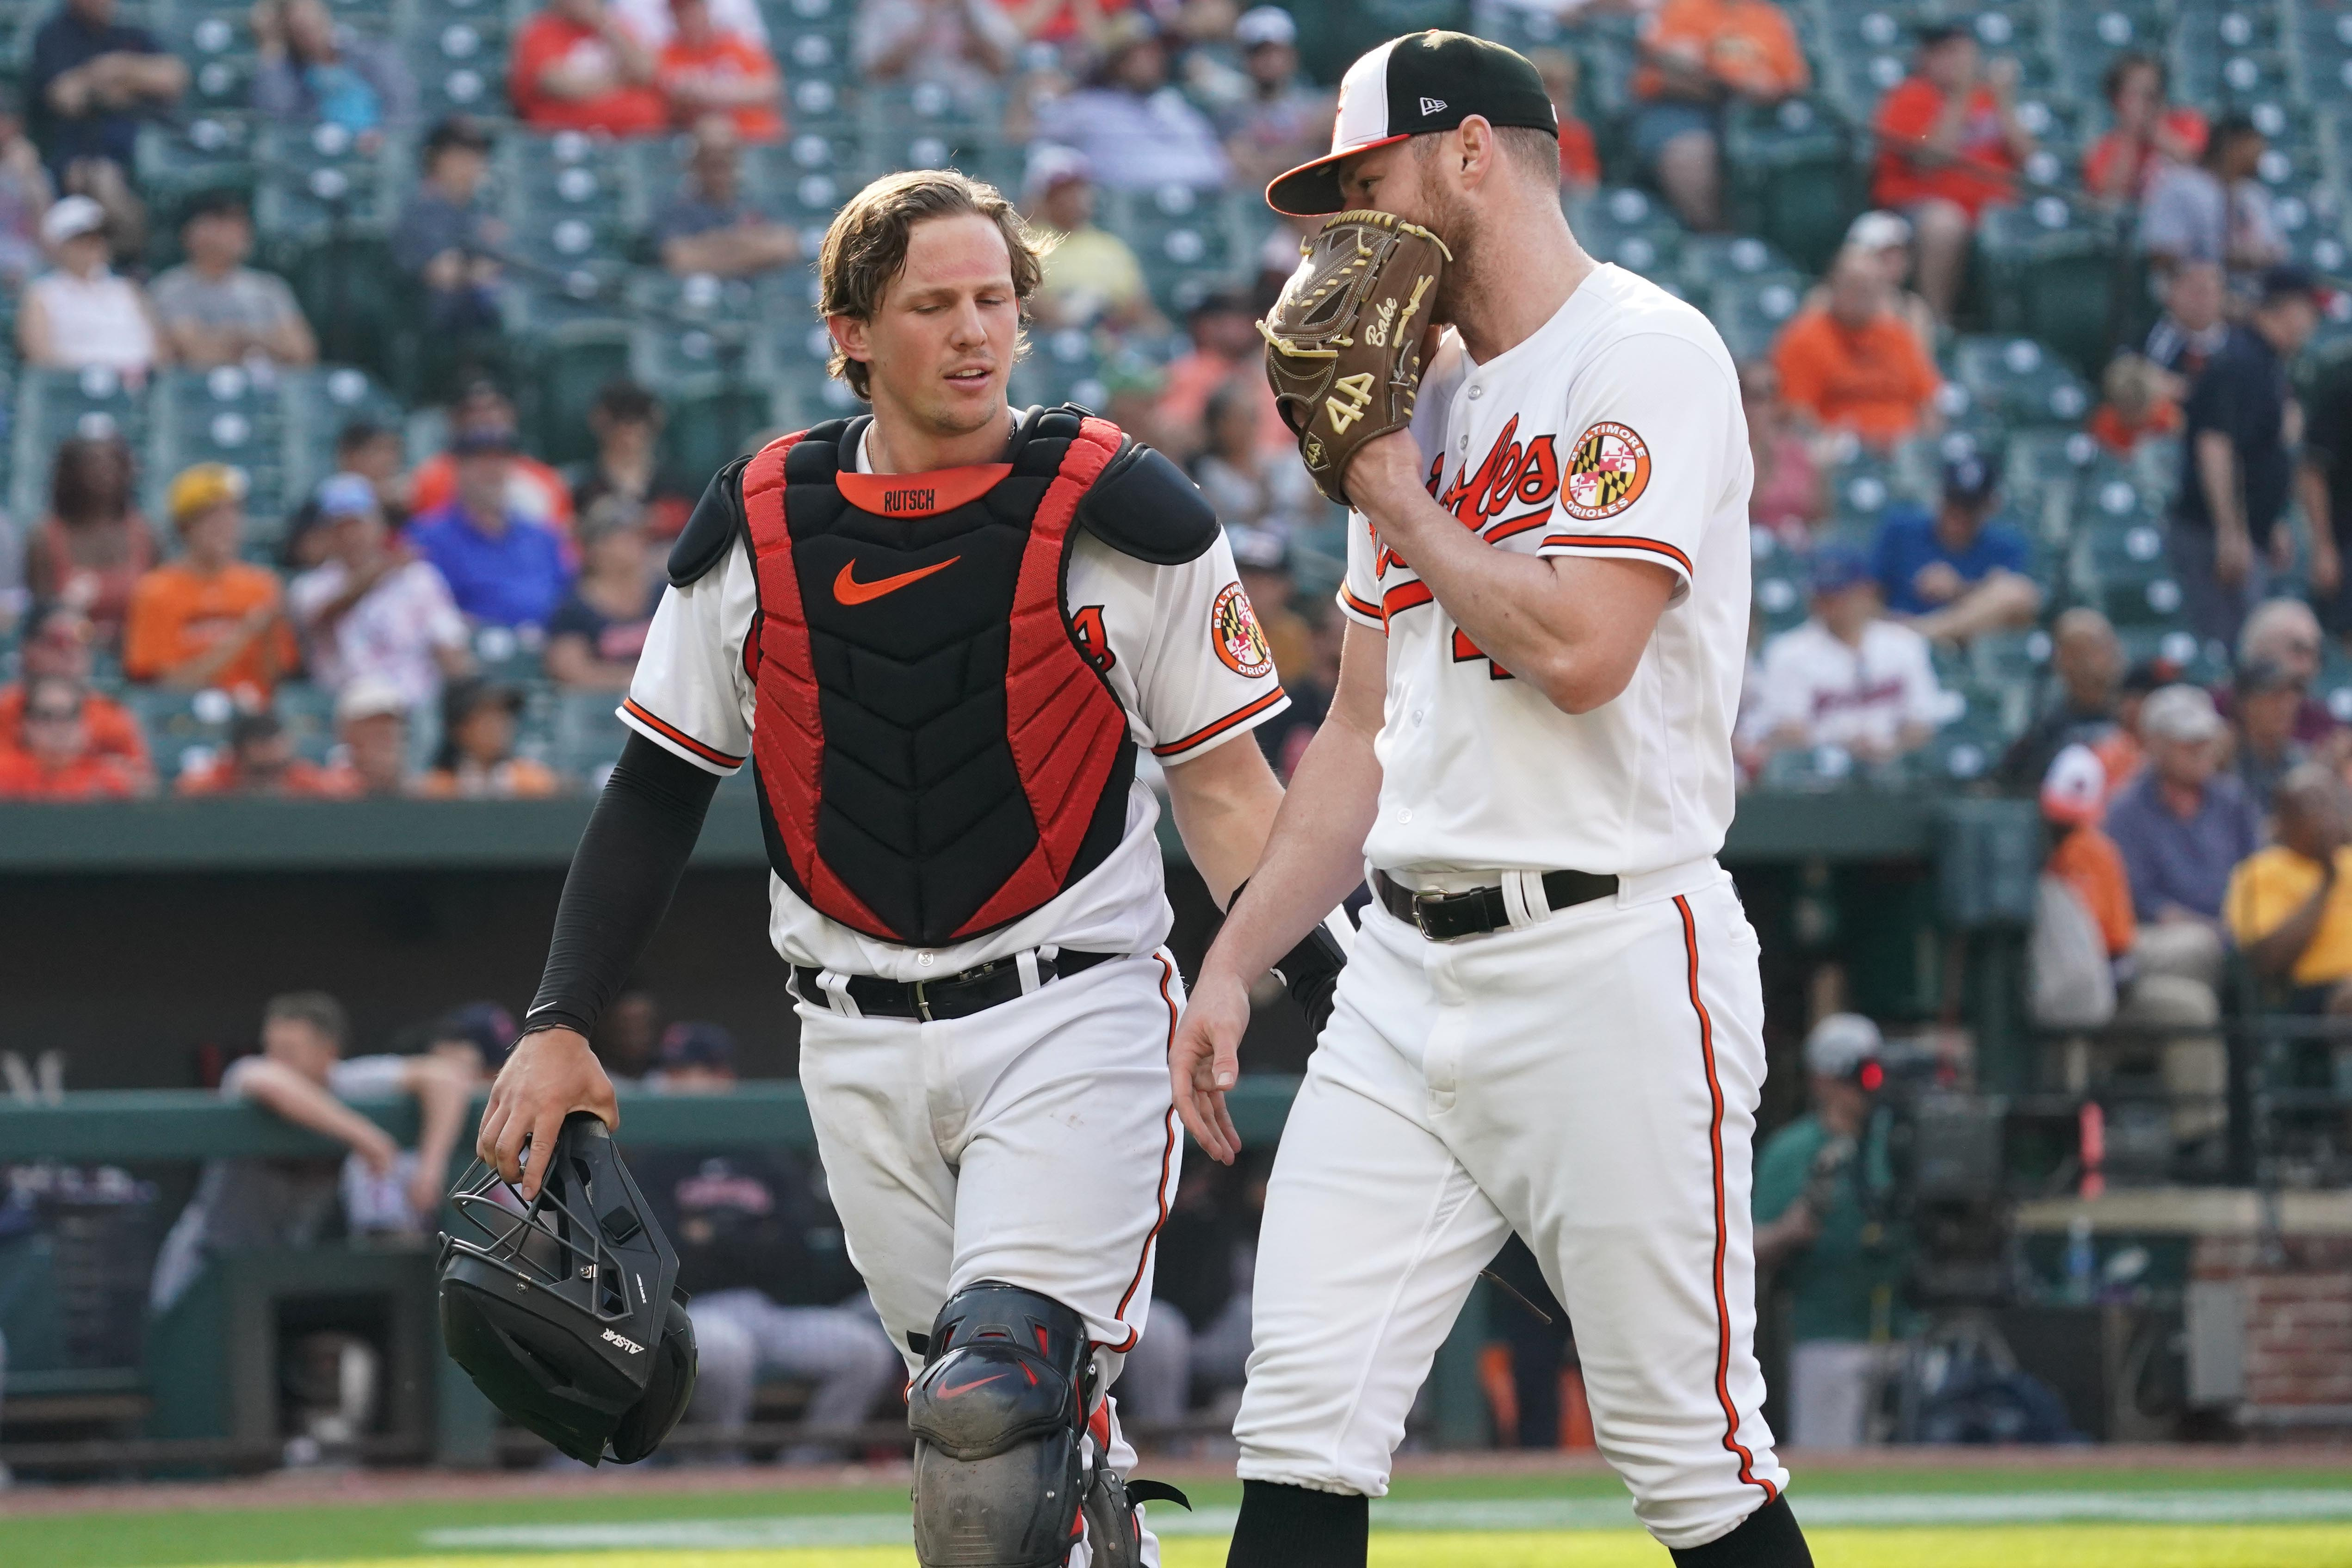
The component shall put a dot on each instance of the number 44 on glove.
(1343, 343)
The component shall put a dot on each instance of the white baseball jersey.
(1188, 663)
(1841, 694)
(1614, 430)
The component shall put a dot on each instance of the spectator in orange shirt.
(57, 761)
(1580, 159)
(1854, 365)
(2148, 132)
(2073, 801)
(1224, 345)
(534, 490)
(208, 619)
(261, 760)
(1698, 55)
(2139, 404)
(477, 760)
(576, 68)
(58, 644)
(1949, 145)
(703, 71)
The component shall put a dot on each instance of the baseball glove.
(1343, 343)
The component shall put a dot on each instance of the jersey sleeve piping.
(1358, 610)
(1245, 717)
(1616, 544)
(669, 735)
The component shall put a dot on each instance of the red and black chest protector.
(936, 755)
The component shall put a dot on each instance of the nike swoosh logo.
(950, 1393)
(848, 590)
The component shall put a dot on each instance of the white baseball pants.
(1589, 1082)
(1034, 1143)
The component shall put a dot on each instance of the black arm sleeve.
(623, 875)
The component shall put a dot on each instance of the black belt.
(1450, 917)
(955, 996)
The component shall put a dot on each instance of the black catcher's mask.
(565, 1311)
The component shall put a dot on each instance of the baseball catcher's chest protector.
(936, 755)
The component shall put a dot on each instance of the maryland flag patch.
(1608, 469)
(1234, 633)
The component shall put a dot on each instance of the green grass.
(403, 1535)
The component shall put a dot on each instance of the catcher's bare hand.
(1205, 1060)
(550, 1074)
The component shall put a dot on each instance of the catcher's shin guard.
(998, 1414)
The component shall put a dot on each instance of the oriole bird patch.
(1607, 471)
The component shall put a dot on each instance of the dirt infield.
(327, 1488)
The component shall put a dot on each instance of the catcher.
(1551, 1019)
(941, 634)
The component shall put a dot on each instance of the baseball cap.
(2180, 712)
(1051, 164)
(1838, 567)
(2074, 791)
(2288, 282)
(2149, 675)
(1263, 24)
(368, 696)
(698, 1045)
(1255, 549)
(489, 1028)
(204, 486)
(457, 130)
(69, 217)
(1879, 231)
(483, 441)
(1840, 1044)
(2258, 675)
(1423, 82)
(346, 496)
(1968, 477)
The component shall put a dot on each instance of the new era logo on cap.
(1414, 85)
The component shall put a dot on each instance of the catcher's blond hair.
(865, 247)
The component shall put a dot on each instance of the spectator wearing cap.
(576, 66)
(1790, 494)
(2086, 660)
(1949, 145)
(215, 309)
(1091, 277)
(773, 1293)
(2073, 801)
(502, 568)
(964, 46)
(2284, 633)
(1698, 56)
(476, 760)
(80, 314)
(1848, 676)
(2242, 422)
(710, 227)
(1854, 365)
(2194, 326)
(371, 737)
(627, 421)
(261, 760)
(1580, 155)
(56, 758)
(2216, 210)
(2290, 906)
(534, 490)
(707, 72)
(595, 635)
(1830, 1241)
(205, 618)
(312, 70)
(1135, 127)
(1884, 239)
(1284, 119)
(2265, 701)
(91, 78)
(57, 643)
(368, 451)
(24, 195)
(372, 611)
(1249, 488)
(446, 238)
(2182, 825)
(2144, 135)
(2136, 405)
(91, 550)
(475, 1039)
(1225, 349)
(1960, 572)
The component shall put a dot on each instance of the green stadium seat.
(224, 415)
(52, 405)
(2019, 380)
(458, 54)
(1630, 227)
(1188, 241)
(584, 734)
(1751, 311)
(570, 362)
(363, 308)
(2048, 270)
(306, 713)
(1710, 259)
(319, 180)
(319, 404)
(183, 729)
(1793, 176)
(210, 152)
(1061, 367)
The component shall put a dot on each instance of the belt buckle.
(1422, 904)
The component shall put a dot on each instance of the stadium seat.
(2057, 270)
(183, 729)
(570, 362)
(319, 180)
(1793, 176)
(1750, 312)
(2019, 380)
(52, 405)
(223, 416)
(583, 736)
(1630, 227)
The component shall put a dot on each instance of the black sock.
(1769, 1538)
(1298, 1527)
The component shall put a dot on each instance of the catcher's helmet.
(565, 1310)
